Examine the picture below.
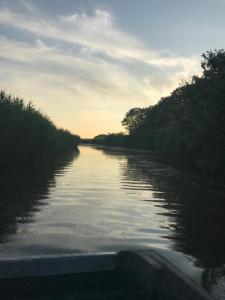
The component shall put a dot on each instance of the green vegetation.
(186, 128)
(110, 139)
(27, 135)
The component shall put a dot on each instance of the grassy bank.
(26, 134)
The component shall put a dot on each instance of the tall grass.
(26, 134)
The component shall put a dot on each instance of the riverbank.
(28, 135)
(186, 128)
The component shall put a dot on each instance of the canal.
(108, 199)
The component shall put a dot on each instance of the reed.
(26, 134)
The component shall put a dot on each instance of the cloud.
(97, 75)
(95, 33)
(84, 65)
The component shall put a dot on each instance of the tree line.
(187, 128)
(26, 134)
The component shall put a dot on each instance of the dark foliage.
(110, 139)
(27, 135)
(187, 128)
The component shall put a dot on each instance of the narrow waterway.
(108, 199)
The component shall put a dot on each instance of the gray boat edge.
(48, 265)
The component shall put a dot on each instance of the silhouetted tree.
(133, 118)
(187, 127)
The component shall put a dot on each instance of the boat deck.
(127, 275)
(100, 285)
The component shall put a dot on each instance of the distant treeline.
(110, 139)
(27, 135)
(186, 128)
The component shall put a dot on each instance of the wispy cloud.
(95, 33)
(84, 60)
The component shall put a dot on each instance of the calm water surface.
(104, 199)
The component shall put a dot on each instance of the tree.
(213, 64)
(133, 119)
(187, 127)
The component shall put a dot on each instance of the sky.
(85, 63)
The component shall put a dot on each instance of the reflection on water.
(111, 199)
(24, 193)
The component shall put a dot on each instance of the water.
(104, 199)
